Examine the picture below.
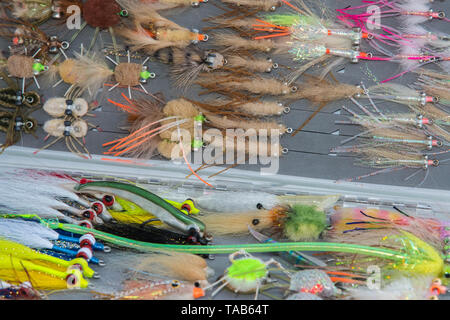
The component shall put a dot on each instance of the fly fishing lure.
(266, 5)
(38, 12)
(37, 236)
(402, 289)
(14, 123)
(239, 64)
(30, 192)
(428, 117)
(71, 130)
(397, 141)
(391, 136)
(170, 4)
(24, 67)
(128, 212)
(12, 98)
(18, 251)
(92, 72)
(29, 39)
(307, 27)
(435, 83)
(17, 121)
(413, 53)
(215, 201)
(176, 113)
(246, 274)
(17, 271)
(59, 107)
(234, 43)
(347, 222)
(186, 63)
(412, 12)
(100, 15)
(164, 264)
(68, 122)
(147, 233)
(144, 289)
(257, 108)
(24, 291)
(387, 160)
(314, 282)
(322, 91)
(414, 256)
(152, 32)
(407, 242)
(232, 85)
(150, 202)
(296, 222)
(183, 266)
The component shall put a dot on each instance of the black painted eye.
(255, 222)
(447, 275)
(197, 284)
(175, 283)
(259, 206)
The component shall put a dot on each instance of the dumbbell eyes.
(108, 200)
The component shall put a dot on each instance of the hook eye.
(65, 45)
(205, 38)
(294, 89)
(287, 110)
(289, 130)
(285, 151)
